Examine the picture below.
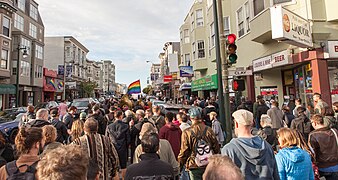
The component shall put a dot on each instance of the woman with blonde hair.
(49, 134)
(292, 161)
(76, 131)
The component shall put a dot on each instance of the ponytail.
(26, 138)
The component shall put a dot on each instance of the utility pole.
(226, 122)
(219, 66)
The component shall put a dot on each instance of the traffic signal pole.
(221, 57)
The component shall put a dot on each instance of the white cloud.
(129, 32)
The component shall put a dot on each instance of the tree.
(88, 88)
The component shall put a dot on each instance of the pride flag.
(134, 88)
(60, 85)
(51, 81)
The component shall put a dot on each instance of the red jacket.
(172, 133)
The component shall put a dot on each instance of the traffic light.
(238, 85)
(231, 48)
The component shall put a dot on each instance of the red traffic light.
(231, 38)
(238, 85)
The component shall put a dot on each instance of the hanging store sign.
(186, 71)
(332, 48)
(274, 60)
(240, 72)
(289, 27)
(167, 78)
(205, 83)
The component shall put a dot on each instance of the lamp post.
(24, 55)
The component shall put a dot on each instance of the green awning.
(205, 83)
(7, 89)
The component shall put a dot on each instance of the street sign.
(239, 72)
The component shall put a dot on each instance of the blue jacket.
(294, 163)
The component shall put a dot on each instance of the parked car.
(174, 108)
(47, 105)
(10, 127)
(12, 110)
(157, 102)
(82, 104)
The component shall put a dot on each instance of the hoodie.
(172, 133)
(294, 163)
(253, 156)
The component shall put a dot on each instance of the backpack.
(304, 126)
(13, 172)
(202, 149)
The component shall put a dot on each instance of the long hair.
(303, 145)
(77, 129)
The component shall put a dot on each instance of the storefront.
(284, 76)
(206, 86)
(59, 89)
(49, 85)
(333, 69)
(6, 90)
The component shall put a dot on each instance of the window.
(212, 35)
(226, 25)
(186, 36)
(14, 71)
(38, 51)
(187, 59)
(4, 59)
(22, 4)
(68, 54)
(32, 30)
(240, 22)
(247, 16)
(199, 18)
(33, 12)
(258, 6)
(5, 26)
(193, 50)
(243, 18)
(25, 68)
(18, 22)
(26, 43)
(192, 18)
(281, 1)
(200, 48)
(209, 3)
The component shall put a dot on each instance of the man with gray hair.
(41, 119)
(251, 154)
(222, 168)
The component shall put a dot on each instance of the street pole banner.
(61, 69)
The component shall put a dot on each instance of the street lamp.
(24, 55)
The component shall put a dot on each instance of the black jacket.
(62, 134)
(101, 122)
(119, 133)
(37, 123)
(150, 167)
(261, 109)
(68, 120)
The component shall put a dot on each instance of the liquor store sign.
(290, 28)
(274, 60)
(205, 83)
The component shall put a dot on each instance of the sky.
(128, 32)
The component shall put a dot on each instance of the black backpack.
(13, 172)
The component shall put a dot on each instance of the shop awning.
(185, 86)
(205, 83)
(7, 89)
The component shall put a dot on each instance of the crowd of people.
(112, 140)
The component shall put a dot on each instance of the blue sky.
(129, 32)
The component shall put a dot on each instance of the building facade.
(68, 56)
(286, 49)
(28, 36)
(7, 90)
(109, 85)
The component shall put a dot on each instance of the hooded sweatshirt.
(172, 133)
(294, 163)
(253, 156)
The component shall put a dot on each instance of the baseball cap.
(83, 115)
(243, 117)
(194, 113)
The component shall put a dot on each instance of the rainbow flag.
(60, 85)
(51, 81)
(134, 88)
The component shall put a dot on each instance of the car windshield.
(80, 103)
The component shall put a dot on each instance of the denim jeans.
(329, 175)
(184, 174)
(196, 174)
